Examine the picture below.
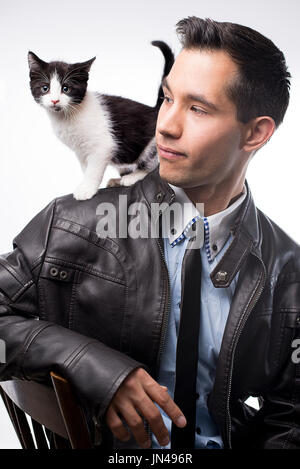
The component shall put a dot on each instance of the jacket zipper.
(165, 316)
(166, 313)
(236, 337)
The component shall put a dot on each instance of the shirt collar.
(217, 227)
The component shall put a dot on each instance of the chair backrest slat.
(39, 435)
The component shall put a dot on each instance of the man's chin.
(177, 178)
(171, 177)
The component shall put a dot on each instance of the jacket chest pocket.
(90, 303)
(57, 288)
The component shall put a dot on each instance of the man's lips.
(169, 153)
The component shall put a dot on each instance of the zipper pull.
(97, 431)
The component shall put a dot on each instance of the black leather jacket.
(94, 309)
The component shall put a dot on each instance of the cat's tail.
(169, 60)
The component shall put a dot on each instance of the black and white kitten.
(101, 129)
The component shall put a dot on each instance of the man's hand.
(138, 392)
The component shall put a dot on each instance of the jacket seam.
(77, 354)
(79, 235)
(42, 257)
(86, 269)
(36, 263)
(72, 304)
(72, 222)
(28, 343)
(12, 272)
(4, 299)
(22, 290)
(91, 242)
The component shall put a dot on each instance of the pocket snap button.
(63, 274)
(53, 271)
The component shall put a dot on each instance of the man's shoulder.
(116, 198)
(271, 228)
(276, 242)
(84, 211)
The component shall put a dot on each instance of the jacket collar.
(246, 229)
(156, 189)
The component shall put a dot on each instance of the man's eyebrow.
(193, 97)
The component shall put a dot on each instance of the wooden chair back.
(57, 419)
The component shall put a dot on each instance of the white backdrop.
(35, 167)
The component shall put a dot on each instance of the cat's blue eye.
(66, 89)
(45, 88)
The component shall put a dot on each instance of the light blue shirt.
(215, 305)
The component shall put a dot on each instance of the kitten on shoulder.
(101, 129)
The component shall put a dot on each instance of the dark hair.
(262, 87)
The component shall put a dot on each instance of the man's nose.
(54, 101)
(169, 123)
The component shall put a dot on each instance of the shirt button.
(198, 430)
(215, 247)
(173, 231)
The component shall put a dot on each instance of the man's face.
(198, 120)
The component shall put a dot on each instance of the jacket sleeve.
(34, 347)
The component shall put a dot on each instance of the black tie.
(187, 349)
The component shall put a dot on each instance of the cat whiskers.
(70, 111)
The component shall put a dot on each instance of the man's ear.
(258, 132)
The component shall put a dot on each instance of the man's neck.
(216, 198)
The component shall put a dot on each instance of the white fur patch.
(88, 132)
(129, 179)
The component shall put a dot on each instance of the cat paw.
(114, 182)
(131, 178)
(84, 191)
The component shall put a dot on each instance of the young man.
(105, 311)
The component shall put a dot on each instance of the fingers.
(115, 424)
(135, 423)
(152, 414)
(164, 400)
(136, 400)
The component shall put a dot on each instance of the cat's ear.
(84, 65)
(87, 65)
(35, 62)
